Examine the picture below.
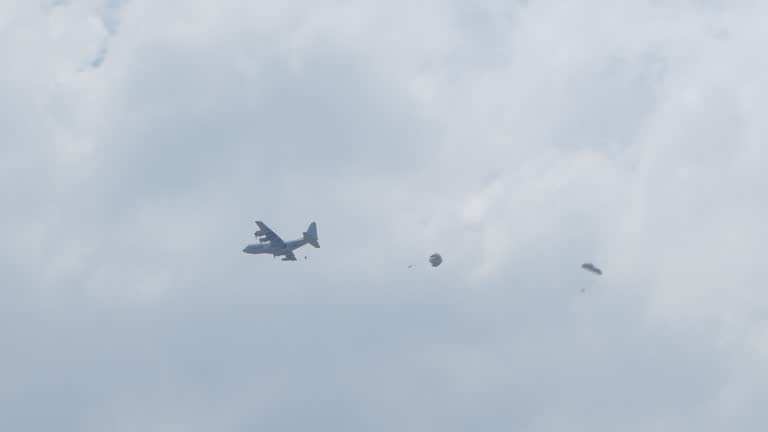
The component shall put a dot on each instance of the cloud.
(518, 139)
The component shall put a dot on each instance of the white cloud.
(518, 139)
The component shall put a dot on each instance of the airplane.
(271, 243)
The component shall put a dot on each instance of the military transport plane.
(271, 243)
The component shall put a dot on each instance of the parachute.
(435, 260)
(591, 267)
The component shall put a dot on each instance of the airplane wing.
(270, 235)
(290, 256)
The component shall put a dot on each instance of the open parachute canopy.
(591, 267)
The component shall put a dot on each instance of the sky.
(142, 138)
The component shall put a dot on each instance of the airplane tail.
(311, 235)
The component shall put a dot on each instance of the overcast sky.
(142, 138)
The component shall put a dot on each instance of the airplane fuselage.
(263, 248)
